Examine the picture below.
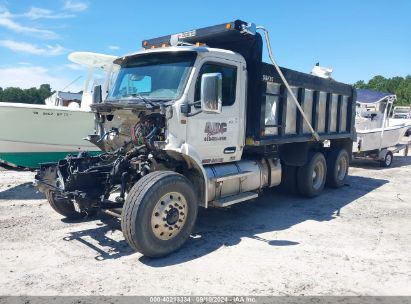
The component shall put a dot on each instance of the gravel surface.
(352, 241)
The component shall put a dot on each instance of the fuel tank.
(237, 177)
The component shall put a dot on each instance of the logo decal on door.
(214, 128)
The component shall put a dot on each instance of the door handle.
(229, 150)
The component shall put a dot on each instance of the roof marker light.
(249, 28)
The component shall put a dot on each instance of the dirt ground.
(352, 241)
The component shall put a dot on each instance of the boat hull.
(32, 134)
(370, 140)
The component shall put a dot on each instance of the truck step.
(234, 199)
(230, 176)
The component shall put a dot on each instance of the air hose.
(270, 54)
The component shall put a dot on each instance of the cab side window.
(229, 74)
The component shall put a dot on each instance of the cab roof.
(197, 49)
(237, 36)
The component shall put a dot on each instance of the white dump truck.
(198, 119)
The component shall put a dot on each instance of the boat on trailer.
(376, 138)
(400, 115)
(31, 134)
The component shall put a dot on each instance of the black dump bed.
(328, 105)
(272, 116)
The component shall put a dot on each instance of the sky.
(358, 39)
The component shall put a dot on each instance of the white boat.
(375, 135)
(371, 140)
(31, 134)
(401, 115)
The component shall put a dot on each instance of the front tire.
(338, 162)
(159, 213)
(311, 177)
(66, 207)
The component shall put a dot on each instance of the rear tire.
(159, 213)
(387, 162)
(338, 162)
(66, 207)
(311, 177)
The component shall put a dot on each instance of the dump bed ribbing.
(328, 105)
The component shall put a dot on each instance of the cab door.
(219, 137)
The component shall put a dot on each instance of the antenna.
(71, 83)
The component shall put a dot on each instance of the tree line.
(400, 86)
(32, 95)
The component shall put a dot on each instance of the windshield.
(156, 76)
(402, 110)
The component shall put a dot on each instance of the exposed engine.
(148, 130)
(89, 180)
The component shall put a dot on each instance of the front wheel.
(159, 213)
(66, 207)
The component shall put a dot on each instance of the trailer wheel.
(311, 177)
(387, 161)
(159, 213)
(66, 207)
(338, 162)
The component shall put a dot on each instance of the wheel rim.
(342, 166)
(318, 175)
(388, 159)
(169, 216)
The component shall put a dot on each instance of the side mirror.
(211, 92)
(97, 95)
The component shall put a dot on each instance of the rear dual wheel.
(338, 163)
(319, 171)
(311, 177)
(159, 213)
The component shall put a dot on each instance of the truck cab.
(173, 76)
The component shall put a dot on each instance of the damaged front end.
(88, 183)
(130, 130)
